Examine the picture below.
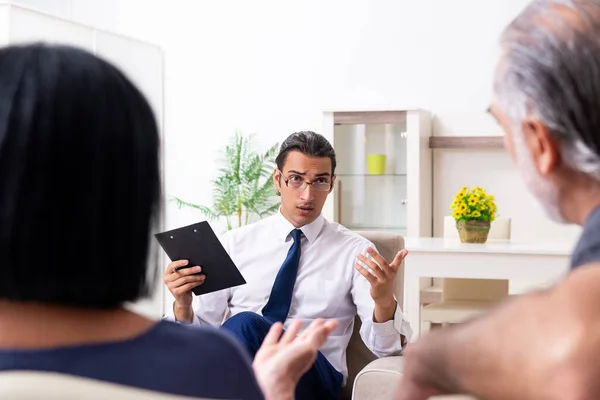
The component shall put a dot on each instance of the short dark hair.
(79, 179)
(308, 143)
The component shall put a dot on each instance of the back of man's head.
(550, 68)
(79, 179)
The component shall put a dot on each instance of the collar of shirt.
(283, 227)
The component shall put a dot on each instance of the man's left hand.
(382, 280)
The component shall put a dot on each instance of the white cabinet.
(384, 171)
(142, 62)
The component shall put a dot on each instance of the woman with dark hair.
(79, 196)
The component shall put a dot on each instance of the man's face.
(301, 206)
(522, 141)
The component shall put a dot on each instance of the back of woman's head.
(79, 179)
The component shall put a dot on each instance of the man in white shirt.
(298, 265)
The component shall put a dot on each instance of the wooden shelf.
(367, 175)
(368, 117)
(466, 142)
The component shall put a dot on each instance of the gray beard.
(543, 191)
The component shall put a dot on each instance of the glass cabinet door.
(371, 186)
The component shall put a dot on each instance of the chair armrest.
(379, 379)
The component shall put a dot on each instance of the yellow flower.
(473, 204)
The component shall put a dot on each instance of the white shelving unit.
(142, 62)
(400, 199)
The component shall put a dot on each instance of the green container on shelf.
(376, 164)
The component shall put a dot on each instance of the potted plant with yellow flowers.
(473, 210)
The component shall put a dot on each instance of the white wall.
(273, 67)
(230, 65)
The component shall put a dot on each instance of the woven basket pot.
(473, 231)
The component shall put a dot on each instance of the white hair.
(550, 68)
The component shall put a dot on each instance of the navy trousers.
(321, 381)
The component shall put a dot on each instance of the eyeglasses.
(321, 184)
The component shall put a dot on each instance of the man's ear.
(277, 181)
(332, 183)
(541, 145)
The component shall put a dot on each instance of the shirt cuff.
(394, 327)
(170, 316)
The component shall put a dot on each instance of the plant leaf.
(244, 186)
(203, 209)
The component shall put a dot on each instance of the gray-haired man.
(544, 345)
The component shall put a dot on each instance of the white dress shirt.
(327, 285)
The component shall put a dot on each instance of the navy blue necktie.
(278, 306)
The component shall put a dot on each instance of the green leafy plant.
(244, 187)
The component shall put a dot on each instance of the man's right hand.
(180, 282)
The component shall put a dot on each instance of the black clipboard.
(198, 244)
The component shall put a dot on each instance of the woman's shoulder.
(207, 352)
(190, 337)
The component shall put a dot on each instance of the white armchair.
(368, 376)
